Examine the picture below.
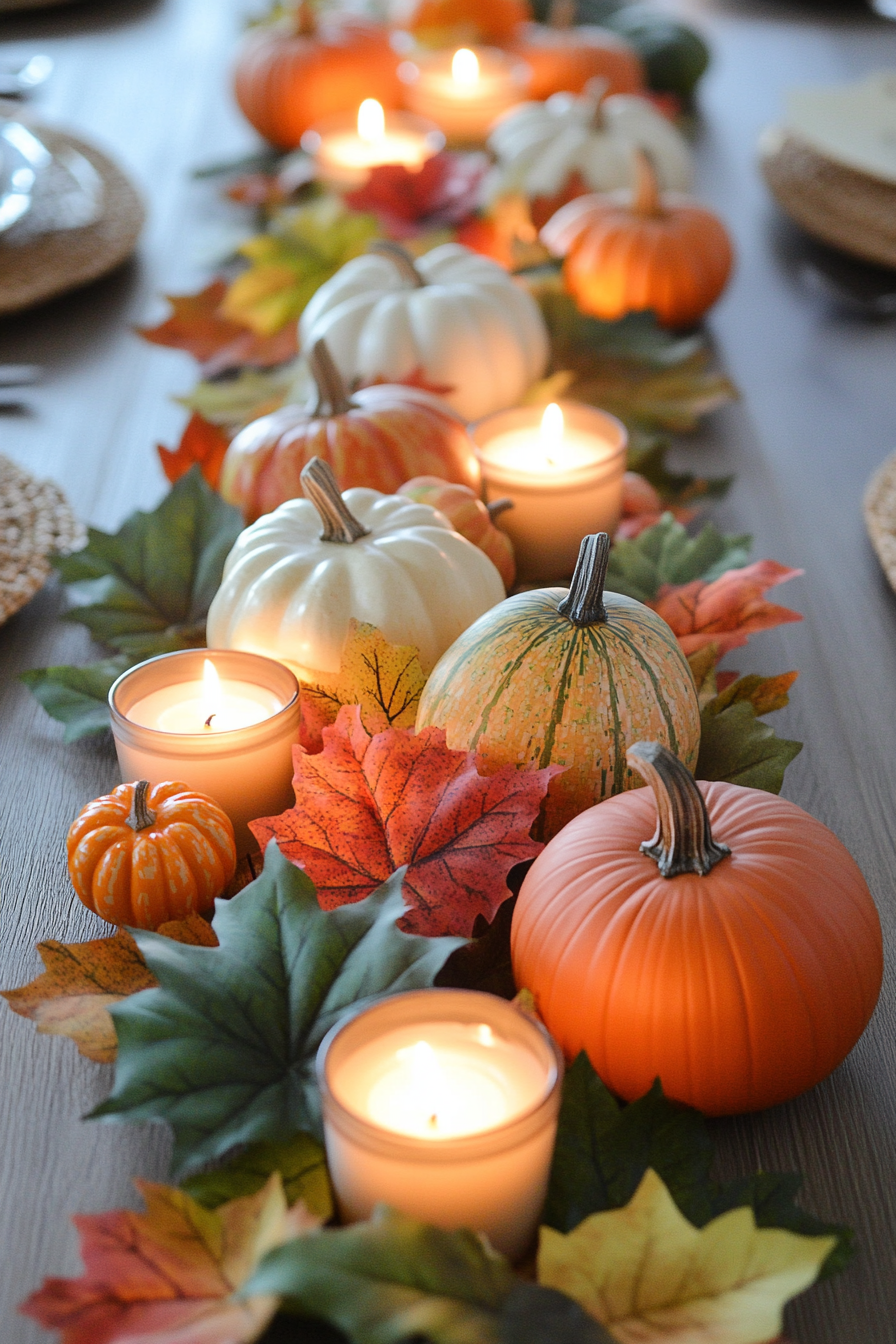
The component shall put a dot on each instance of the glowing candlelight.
(345, 152)
(371, 122)
(466, 92)
(465, 66)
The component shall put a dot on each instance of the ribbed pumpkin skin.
(389, 434)
(739, 989)
(618, 262)
(455, 23)
(468, 515)
(174, 868)
(523, 685)
(562, 60)
(285, 82)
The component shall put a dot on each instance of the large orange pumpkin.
(144, 854)
(298, 72)
(459, 23)
(468, 515)
(735, 953)
(563, 58)
(627, 252)
(378, 437)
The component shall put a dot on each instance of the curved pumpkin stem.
(322, 488)
(304, 20)
(332, 397)
(584, 603)
(141, 817)
(402, 259)
(646, 200)
(499, 506)
(683, 840)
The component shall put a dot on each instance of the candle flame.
(428, 1078)
(552, 432)
(465, 66)
(211, 692)
(371, 121)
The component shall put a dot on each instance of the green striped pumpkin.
(566, 678)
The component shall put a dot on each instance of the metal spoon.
(19, 82)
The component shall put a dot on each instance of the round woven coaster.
(880, 516)
(35, 522)
(48, 264)
(840, 206)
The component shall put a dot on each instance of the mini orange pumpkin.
(144, 854)
(378, 437)
(739, 973)
(630, 251)
(563, 58)
(456, 23)
(293, 74)
(468, 515)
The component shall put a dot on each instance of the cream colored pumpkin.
(542, 147)
(453, 316)
(289, 591)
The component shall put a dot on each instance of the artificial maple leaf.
(366, 805)
(726, 611)
(649, 1275)
(218, 340)
(385, 680)
(444, 191)
(201, 443)
(82, 981)
(172, 1273)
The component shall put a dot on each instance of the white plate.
(854, 125)
(22, 156)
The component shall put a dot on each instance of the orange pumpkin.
(293, 74)
(144, 854)
(458, 23)
(378, 437)
(630, 251)
(563, 58)
(468, 515)
(736, 955)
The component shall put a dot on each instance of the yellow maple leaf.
(385, 679)
(651, 1277)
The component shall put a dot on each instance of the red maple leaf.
(196, 325)
(444, 191)
(726, 611)
(366, 804)
(200, 442)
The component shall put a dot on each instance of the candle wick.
(433, 1121)
(208, 722)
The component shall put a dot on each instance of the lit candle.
(443, 1104)
(467, 92)
(223, 722)
(563, 469)
(344, 152)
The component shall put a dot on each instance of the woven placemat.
(880, 516)
(49, 264)
(842, 207)
(35, 522)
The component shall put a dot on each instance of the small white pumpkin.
(540, 146)
(289, 590)
(453, 315)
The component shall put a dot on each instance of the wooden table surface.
(147, 79)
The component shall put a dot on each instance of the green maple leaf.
(603, 1150)
(301, 1162)
(77, 696)
(224, 1049)
(393, 1279)
(146, 589)
(735, 745)
(665, 553)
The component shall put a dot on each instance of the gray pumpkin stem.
(584, 603)
(683, 840)
(141, 817)
(332, 397)
(322, 488)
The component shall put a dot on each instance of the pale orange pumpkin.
(378, 437)
(468, 515)
(144, 854)
(628, 252)
(730, 948)
(302, 70)
(563, 57)
(456, 23)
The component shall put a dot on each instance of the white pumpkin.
(289, 589)
(453, 315)
(539, 146)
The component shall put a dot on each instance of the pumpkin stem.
(594, 93)
(683, 841)
(332, 397)
(562, 13)
(584, 603)
(646, 200)
(499, 506)
(402, 259)
(322, 488)
(142, 817)
(304, 22)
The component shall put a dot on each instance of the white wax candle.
(466, 92)
(189, 708)
(345, 153)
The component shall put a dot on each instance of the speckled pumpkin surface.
(524, 684)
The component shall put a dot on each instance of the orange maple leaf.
(200, 442)
(726, 611)
(197, 325)
(366, 805)
(173, 1272)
